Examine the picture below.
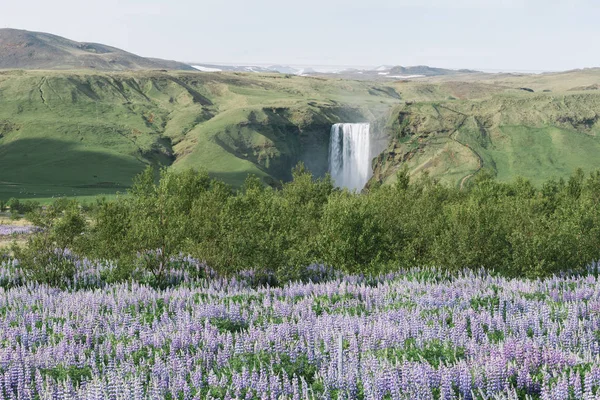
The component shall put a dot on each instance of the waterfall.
(350, 155)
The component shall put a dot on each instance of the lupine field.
(417, 334)
(13, 230)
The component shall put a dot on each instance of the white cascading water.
(350, 155)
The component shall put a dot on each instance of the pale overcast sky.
(494, 35)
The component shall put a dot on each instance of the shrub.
(151, 225)
(47, 257)
(273, 236)
(22, 207)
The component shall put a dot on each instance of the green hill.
(453, 130)
(82, 133)
(426, 71)
(85, 133)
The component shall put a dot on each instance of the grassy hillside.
(83, 134)
(454, 130)
(88, 133)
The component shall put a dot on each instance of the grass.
(7, 241)
(543, 153)
(86, 134)
(538, 136)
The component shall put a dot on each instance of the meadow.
(508, 134)
(413, 334)
(446, 278)
(307, 292)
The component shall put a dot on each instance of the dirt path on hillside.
(464, 180)
(452, 137)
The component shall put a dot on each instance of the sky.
(501, 35)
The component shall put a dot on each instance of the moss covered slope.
(82, 133)
(533, 135)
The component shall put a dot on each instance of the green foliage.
(301, 207)
(74, 373)
(228, 325)
(433, 352)
(148, 228)
(352, 233)
(237, 246)
(226, 226)
(300, 367)
(485, 302)
(21, 206)
(512, 228)
(47, 256)
(496, 336)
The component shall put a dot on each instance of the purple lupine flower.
(130, 340)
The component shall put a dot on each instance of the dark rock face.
(34, 50)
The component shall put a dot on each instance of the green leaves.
(155, 217)
(433, 352)
(512, 228)
(352, 234)
(47, 256)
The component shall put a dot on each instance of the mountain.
(382, 72)
(245, 68)
(387, 73)
(284, 69)
(426, 71)
(21, 49)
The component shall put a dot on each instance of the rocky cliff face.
(278, 138)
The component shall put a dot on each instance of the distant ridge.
(380, 73)
(20, 49)
(427, 71)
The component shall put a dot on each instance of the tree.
(351, 233)
(47, 257)
(151, 225)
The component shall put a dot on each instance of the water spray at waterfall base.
(350, 155)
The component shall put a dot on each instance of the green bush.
(513, 228)
(154, 218)
(352, 233)
(47, 256)
(22, 207)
